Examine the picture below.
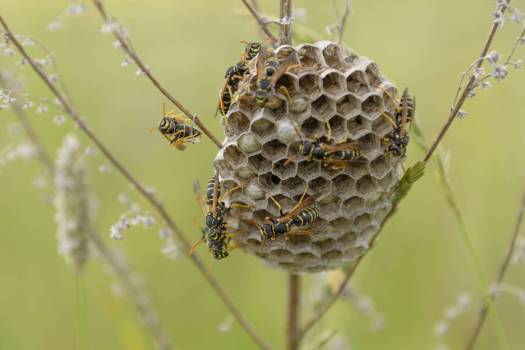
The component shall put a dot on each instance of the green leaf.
(411, 175)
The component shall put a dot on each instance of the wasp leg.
(225, 194)
(329, 128)
(278, 205)
(283, 90)
(194, 246)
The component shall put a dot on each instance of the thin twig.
(341, 21)
(121, 271)
(329, 303)
(125, 45)
(457, 107)
(285, 20)
(263, 24)
(142, 190)
(294, 306)
(501, 275)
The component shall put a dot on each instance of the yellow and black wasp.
(397, 142)
(302, 214)
(215, 233)
(269, 70)
(234, 76)
(177, 129)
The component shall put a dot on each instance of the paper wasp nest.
(332, 85)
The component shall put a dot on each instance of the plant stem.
(294, 306)
(124, 44)
(217, 288)
(260, 20)
(482, 317)
(285, 18)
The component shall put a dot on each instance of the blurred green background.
(420, 264)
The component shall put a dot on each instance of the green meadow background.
(420, 264)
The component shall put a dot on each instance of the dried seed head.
(333, 92)
(73, 203)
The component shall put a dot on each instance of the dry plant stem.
(142, 190)
(455, 110)
(285, 18)
(46, 160)
(342, 21)
(294, 305)
(260, 20)
(110, 258)
(501, 275)
(324, 308)
(133, 292)
(136, 59)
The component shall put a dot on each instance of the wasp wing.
(307, 202)
(283, 67)
(198, 195)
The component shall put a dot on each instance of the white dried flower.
(493, 57)
(479, 72)
(462, 114)
(485, 85)
(73, 203)
(226, 325)
(516, 16)
(42, 108)
(299, 14)
(116, 44)
(90, 151)
(76, 9)
(441, 328)
(9, 51)
(518, 64)
(500, 72)
(59, 119)
(55, 25)
(104, 169)
(125, 62)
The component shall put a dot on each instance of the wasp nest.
(330, 88)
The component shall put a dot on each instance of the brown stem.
(294, 306)
(341, 20)
(285, 19)
(455, 110)
(142, 190)
(482, 317)
(260, 20)
(124, 44)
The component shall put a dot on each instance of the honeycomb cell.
(308, 170)
(373, 105)
(348, 105)
(290, 82)
(343, 185)
(238, 122)
(269, 182)
(332, 254)
(233, 155)
(293, 186)
(299, 104)
(323, 107)
(310, 85)
(333, 83)
(357, 126)
(274, 149)
(263, 128)
(337, 126)
(259, 163)
(287, 132)
(361, 221)
(353, 204)
(284, 169)
(385, 183)
(328, 209)
(248, 143)
(365, 185)
(333, 57)
(373, 75)
(379, 167)
(245, 172)
(319, 185)
(309, 56)
(254, 191)
(312, 127)
(357, 83)
(382, 126)
(358, 170)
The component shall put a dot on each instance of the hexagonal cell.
(350, 59)
(290, 82)
(282, 255)
(361, 221)
(353, 204)
(373, 74)
(261, 215)
(385, 183)
(284, 169)
(373, 105)
(334, 83)
(312, 127)
(319, 185)
(332, 254)
(309, 56)
(308, 169)
(333, 56)
(285, 203)
(357, 83)
(343, 185)
(340, 224)
(380, 167)
(245, 172)
(238, 121)
(326, 245)
(310, 85)
(254, 191)
(299, 104)
(382, 125)
(293, 186)
(358, 170)
(348, 105)
(357, 126)
(365, 185)
(338, 126)
(248, 143)
(274, 149)
(368, 141)
(269, 182)
(259, 163)
(287, 131)
(263, 128)
(233, 155)
(323, 106)
(329, 209)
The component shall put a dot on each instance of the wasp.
(397, 142)
(175, 128)
(234, 75)
(302, 214)
(269, 70)
(215, 233)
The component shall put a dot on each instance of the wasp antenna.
(152, 129)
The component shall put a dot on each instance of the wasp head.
(166, 125)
